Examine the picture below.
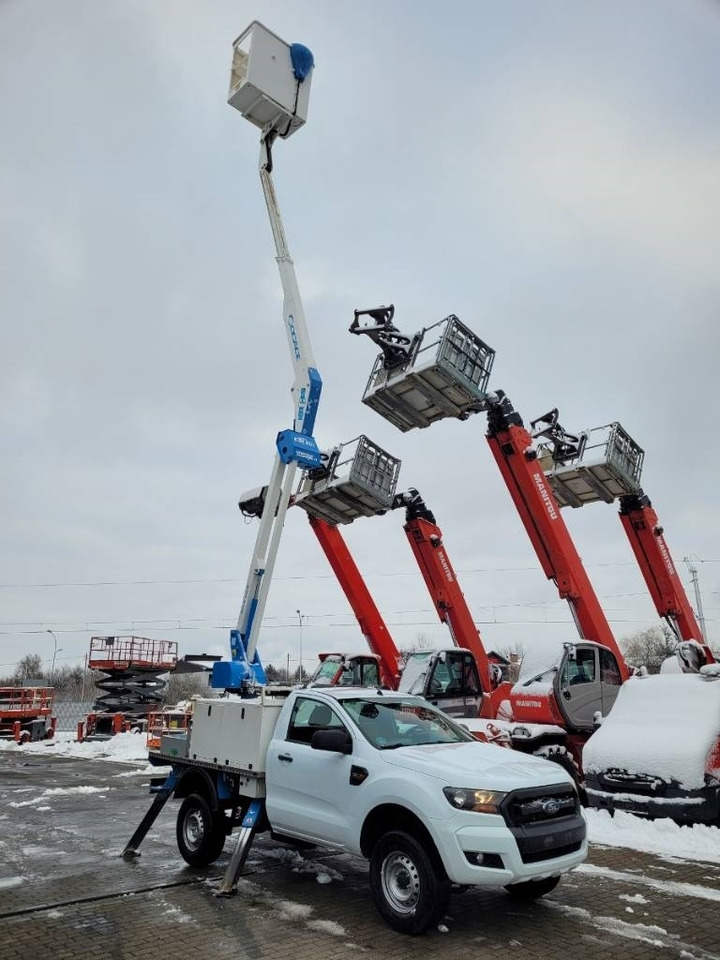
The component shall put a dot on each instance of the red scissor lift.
(26, 713)
(133, 685)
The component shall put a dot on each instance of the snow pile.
(124, 747)
(56, 792)
(662, 725)
(662, 837)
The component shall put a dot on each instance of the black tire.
(408, 883)
(532, 889)
(200, 833)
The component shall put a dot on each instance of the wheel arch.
(197, 781)
(393, 816)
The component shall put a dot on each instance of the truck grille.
(546, 823)
(537, 806)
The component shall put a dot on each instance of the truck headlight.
(481, 801)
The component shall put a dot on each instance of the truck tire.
(532, 889)
(200, 833)
(408, 884)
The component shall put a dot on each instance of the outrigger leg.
(163, 792)
(242, 848)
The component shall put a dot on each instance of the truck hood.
(477, 765)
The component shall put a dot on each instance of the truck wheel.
(409, 887)
(532, 889)
(200, 834)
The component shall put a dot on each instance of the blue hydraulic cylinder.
(236, 673)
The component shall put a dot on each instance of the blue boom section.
(232, 674)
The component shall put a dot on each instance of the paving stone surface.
(66, 894)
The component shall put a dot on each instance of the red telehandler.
(605, 463)
(443, 371)
(462, 680)
(465, 680)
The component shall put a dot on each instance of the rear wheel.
(532, 889)
(408, 884)
(200, 833)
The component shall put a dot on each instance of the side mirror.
(570, 651)
(334, 741)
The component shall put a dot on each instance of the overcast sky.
(549, 171)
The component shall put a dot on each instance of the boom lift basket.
(270, 80)
(359, 480)
(446, 375)
(606, 464)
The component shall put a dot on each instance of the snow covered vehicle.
(658, 753)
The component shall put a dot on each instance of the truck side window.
(308, 716)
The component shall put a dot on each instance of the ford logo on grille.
(550, 806)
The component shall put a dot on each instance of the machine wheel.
(25, 737)
(562, 756)
(410, 889)
(200, 833)
(532, 889)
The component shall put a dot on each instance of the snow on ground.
(661, 837)
(123, 748)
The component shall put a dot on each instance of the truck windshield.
(326, 673)
(402, 723)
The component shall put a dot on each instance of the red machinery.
(441, 372)
(606, 464)
(133, 684)
(26, 713)
(462, 683)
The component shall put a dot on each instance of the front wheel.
(200, 834)
(532, 889)
(409, 887)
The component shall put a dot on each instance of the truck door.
(309, 791)
(580, 687)
(453, 684)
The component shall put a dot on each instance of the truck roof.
(352, 693)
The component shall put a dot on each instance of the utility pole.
(52, 668)
(300, 620)
(690, 561)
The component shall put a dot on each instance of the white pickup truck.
(378, 774)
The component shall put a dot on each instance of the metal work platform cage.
(608, 464)
(25, 702)
(111, 654)
(446, 376)
(359, 481)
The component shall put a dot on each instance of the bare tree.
(648, 648)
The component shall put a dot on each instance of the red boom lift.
(443, 371)
(605, 464)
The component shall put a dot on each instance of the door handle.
(285, 757)
(567, 694)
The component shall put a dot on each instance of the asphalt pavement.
(66, 894)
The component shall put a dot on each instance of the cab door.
(310, 794)
(580, 688)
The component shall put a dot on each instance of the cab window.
(308, 716)
(581, 669)
(609, 670)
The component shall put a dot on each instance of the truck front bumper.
(481, 850)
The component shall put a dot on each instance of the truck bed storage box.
(446, 376)
(359, 480)
(608, 465)
(233, 732)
